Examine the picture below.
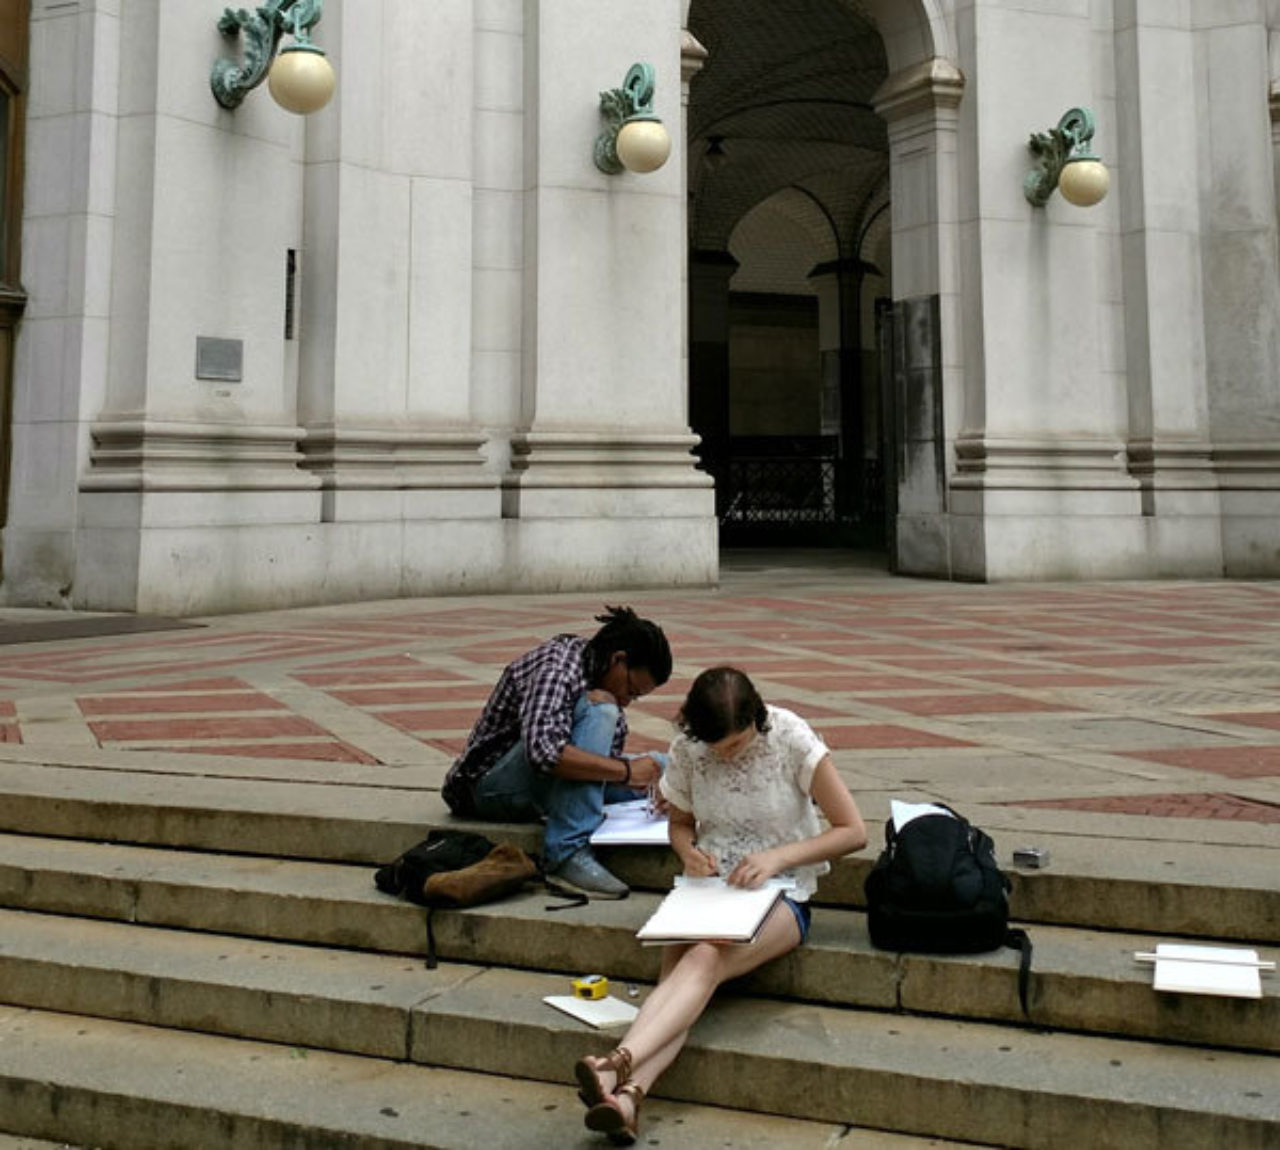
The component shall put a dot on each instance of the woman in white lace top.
(741, 786)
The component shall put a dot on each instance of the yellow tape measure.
(590, 986)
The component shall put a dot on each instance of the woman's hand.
(755, 870)
(699, 864)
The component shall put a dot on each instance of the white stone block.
(44, 370)
(427, 70)
(495, 389)
(497, 318)
(499, 148)
(498, 229)
(440, 299)
(46, 262)
(373, 293)
(608, 343)
(500, 15)
(499, 70)
(54, 64)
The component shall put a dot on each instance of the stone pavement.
(1129, 711)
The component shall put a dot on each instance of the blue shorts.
(803, 915)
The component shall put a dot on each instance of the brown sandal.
(592, 1090)
(606, 1117)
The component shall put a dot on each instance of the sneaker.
(583, 874)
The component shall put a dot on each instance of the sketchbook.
(631, 824)
(1228, 971)
(709, 908)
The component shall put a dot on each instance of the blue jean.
(515, 791)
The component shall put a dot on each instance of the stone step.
(823, 1065)
(1081, 980)
(1210, 890)
(130, 1087)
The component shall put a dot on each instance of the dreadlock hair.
(721, 702)
(642, 641)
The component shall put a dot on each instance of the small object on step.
(591, 986)
(633, 991)
(1035, 857)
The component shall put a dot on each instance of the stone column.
(1158, 198)
(920, 106)
(602, 481)
(1241, 287)
(1041, 486)
(60, 367)
(385, 394)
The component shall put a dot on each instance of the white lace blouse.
(755, 801)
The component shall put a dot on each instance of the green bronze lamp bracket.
(1054, 151)
(631, 121)
(260, 31)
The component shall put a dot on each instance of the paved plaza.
(1129, 711)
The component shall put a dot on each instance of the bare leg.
(690, 977)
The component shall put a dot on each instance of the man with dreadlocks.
(549, 743)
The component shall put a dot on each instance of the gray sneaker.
(583, 874)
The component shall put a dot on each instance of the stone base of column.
(606, 510)
(381, 473)
(1249, 487)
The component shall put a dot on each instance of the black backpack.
(454, 869)
(937, 889)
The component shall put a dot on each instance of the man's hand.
(645, 771)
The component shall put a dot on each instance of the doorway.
(790, 250)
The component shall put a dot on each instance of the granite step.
(750, 1059)
(1210, 890)
(1082, 980)
(65, 1077)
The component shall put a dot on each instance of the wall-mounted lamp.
(301, 79)
(1064, 160)
(635, 138)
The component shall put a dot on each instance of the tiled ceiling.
(786, 90)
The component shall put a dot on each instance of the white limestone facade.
(478, 380)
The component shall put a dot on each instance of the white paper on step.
(1233, 972)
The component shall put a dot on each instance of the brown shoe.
(607, 1117)
(587, 1071)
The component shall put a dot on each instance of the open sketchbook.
(631, 824)
(709, 908)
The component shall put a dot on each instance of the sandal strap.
(619, 1060)
(634, 1089)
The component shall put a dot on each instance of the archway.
(790, 252)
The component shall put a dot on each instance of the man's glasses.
(632, 693)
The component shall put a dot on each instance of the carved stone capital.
(692, 57)
(931, 86)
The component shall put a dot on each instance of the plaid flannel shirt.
(533, 702)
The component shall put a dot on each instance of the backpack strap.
(1018, 939)
(432, 961)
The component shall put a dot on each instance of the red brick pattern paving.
(1250, 762)
(967, 704)
(1175, 806)
(1021, 658)
(220, 727)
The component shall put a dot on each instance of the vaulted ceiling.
(784, 105)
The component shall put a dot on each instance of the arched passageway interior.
(789, 243)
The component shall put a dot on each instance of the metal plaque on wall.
(219, 359)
